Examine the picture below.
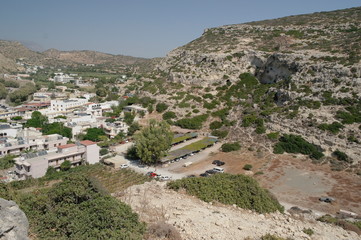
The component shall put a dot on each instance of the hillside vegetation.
(230, 189)
(295, 75)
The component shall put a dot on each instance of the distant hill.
(11, 51)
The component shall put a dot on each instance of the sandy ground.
(293, 179)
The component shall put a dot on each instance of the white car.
(165, 178)
(218, 169)
(124, 166)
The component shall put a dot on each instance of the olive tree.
(153, 141)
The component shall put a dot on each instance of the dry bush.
(162, 230)
(348, 226)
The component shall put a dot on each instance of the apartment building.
(63, 78)
(35, 165)
(34, 142)
(67, 105)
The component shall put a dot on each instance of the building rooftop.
(66, 146)
(87, 142)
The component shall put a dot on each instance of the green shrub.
(341, 156)
(220, 133)
(273, 135)
(161, 107)
(17, 118)
(103, 151)
(296, 144)
(247, 167)
(229, 147)
(192, 123)
(241, 190)
(65, 166)
(215, 125)
(169, 115)
(7, 161)
(308, 231)
(77, 208)
(333, 127)
(271, 237)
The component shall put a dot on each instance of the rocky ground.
(195, 219)
(13, 222)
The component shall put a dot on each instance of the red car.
(152, 174)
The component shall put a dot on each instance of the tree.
(7, 162)
(93, 134)
(65, 166)
(37, 120)
(101, 92)
(133, 128)
(57, 128)
(153, 142)
(129, 118)
(3, 91)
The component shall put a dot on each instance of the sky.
(139, 28)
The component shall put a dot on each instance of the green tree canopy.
(65, 166)
(93, 134)
(58, 128)
(153, 142)
(37, 120)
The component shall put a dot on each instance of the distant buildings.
(63, 78)
(135, 109)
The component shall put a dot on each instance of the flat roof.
(87, 142)
(190, 148)
(67, 146)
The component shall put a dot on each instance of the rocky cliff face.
(13, 222)
(315, 59)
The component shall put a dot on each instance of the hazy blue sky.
(142, 28)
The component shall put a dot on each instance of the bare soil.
(292, 178)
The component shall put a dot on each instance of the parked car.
(218, 162)
(124, 166)
(204, 175)
(211, 171)
(165, 178)
(191, 176)
(152, 174)
(327, 199)
(218, 169)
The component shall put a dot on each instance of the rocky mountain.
(308, 68)
(11, 51)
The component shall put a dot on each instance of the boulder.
(13, 222)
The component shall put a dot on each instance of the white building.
(36, 164)
(67, 105)
(10, 130)
(63, 78)
(30, 140)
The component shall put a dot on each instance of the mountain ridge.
(14, 50)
